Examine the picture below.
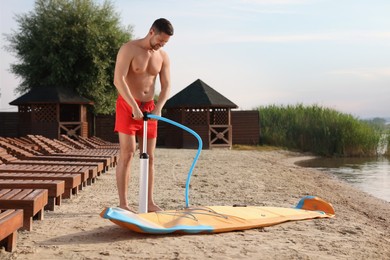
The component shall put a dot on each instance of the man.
(137, 65)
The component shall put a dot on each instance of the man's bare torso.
(144, 67)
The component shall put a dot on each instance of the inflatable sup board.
(217, 219)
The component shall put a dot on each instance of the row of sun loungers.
(37, 173)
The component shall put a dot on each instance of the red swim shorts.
(125, 123)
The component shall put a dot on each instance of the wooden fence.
(245, 127)
(9, 124)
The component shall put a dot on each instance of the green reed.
(316, 129)
(388, 143)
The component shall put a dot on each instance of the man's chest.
(147, 63)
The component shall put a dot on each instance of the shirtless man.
(137, 65)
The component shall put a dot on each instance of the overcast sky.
(334, 53)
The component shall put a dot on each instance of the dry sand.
(360, 230)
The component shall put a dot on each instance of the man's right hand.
(138, 114)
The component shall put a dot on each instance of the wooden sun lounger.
(93, 144)
(32, 202)
(82, 150)
(21, 144)
(102, 162)
(81, 142)
(55, 189)
(95, 168)
(102, 142)
(42, 146)
(82, 170)
(111, 155)
(72, 181)
(54, 144)
(72, 142)
(10, 222)
(110, 149)
(107, 160)
(9, 158)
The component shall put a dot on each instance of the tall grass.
(316, 129)
(387, 152)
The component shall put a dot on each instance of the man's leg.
(151, 146)
(127, 149)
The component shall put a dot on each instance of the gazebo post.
(58, 120)
(230, 127)
(208, 128)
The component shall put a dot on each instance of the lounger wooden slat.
(55, 188)
(72, 181)
(10, 222)
(7, 194)
(32, 203)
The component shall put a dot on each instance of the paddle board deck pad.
(216, 219)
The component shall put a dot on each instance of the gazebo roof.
(199, 95)
(50, 95)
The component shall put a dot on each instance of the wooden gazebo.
(52, 111)
(202, 109)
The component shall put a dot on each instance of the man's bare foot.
(125, 207)
(153, 208)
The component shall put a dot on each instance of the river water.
(371, 175)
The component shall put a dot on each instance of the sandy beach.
(360, 229)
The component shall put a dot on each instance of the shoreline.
(221, 177)
(367, 174)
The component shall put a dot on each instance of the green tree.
(70, 43)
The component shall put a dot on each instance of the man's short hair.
(163, 25)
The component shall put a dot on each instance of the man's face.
(158, 40)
